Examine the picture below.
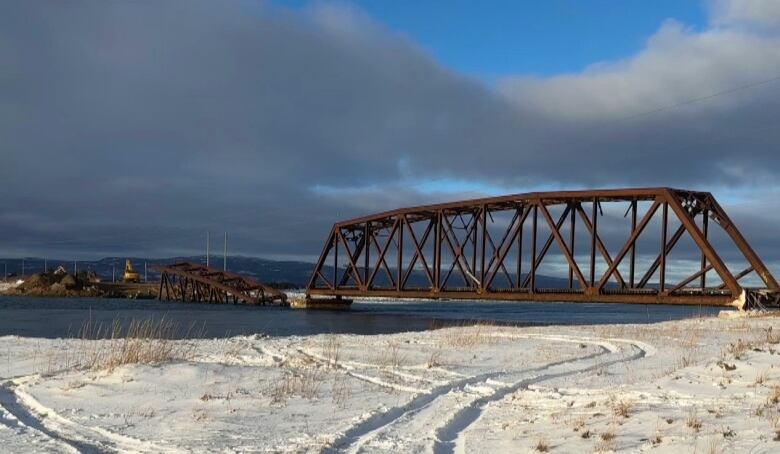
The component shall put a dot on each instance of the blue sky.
(505, 37)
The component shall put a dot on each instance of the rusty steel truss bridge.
(193, 282)
(490, 249)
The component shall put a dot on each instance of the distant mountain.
(273, 272)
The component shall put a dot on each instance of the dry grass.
(303, 382)
(693, 421)
(149, 341)
(714, 446)
(622, 408)
(471, 335)
(542, 446)
(774, 396)
(761, 377)
(435, 359)
(341, 392)
(607, 441)
(738, 349)
(770, 336)
(391, 357)
(331, 349)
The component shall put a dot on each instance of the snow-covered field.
(701, 385)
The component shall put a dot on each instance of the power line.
(703, 98)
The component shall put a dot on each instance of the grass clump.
(542, 446)
(148, 341)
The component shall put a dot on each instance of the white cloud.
(676, 65)
(747, 12)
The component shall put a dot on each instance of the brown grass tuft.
(149, 341)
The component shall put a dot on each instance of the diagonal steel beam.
(657, 262)
(547, 244)
(562, 244)
(508, 241)
(457, 252)
(631, 240)
(381, 260)
(352, 266)
(600, 245)
(418, 251)
(704, 245)
(728, 225)
(690, 279)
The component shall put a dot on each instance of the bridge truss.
(193, 282)
(490, 248)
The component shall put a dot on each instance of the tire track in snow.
(448, 435)
(356, 436)
(350, 370)
(79, 438)
(10, 402)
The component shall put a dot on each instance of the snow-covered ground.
(700, 385)
(5, 286)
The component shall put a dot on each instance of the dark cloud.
(131, 127)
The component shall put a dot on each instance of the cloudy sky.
(132, 127)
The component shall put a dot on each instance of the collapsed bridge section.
(648, 245)
(187, 281)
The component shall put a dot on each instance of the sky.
(131, 128)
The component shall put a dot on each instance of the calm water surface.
(62, 317)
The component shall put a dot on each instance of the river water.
(63, 317)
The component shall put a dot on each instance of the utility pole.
(113, 273)
(75, 268)
(22, 268)
(45, 265)
(224, 255)
(5, 272)
(208, 244)
(144, 271)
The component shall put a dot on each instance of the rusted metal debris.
(188, 281)
(463, 252)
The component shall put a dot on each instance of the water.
(62, 317)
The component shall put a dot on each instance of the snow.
(5, 286)
(703, 385)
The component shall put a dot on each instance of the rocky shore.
(60, 283)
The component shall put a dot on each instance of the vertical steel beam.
(399, 256)
(593, 241)
(664, 232)
(473, 237)
(336, 258)
(366, 253)
(572, 224)
(705, 226)
(437, 252)
(484, 243)
(533, 247)
(520, 253)
(632, 265)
